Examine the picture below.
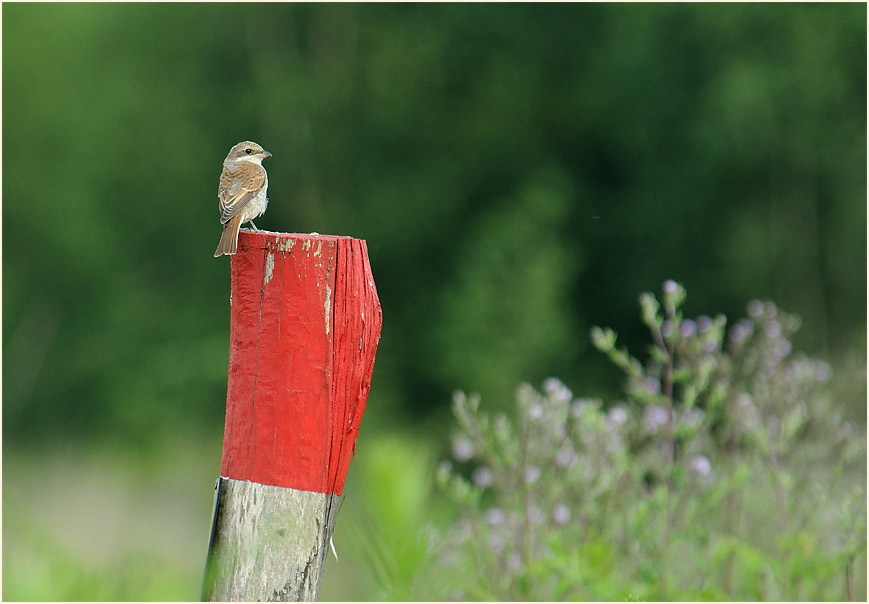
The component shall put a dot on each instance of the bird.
(242, 192)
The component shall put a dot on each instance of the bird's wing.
(238, 186)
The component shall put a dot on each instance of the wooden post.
(305, 323)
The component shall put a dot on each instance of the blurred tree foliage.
(519, 172)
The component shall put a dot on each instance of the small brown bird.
(242, 192)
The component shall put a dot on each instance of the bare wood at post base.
(273, 542)
(305, 323)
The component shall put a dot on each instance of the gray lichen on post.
(268, 543)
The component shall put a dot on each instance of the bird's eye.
(248, 151)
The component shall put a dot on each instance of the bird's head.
(247, 151)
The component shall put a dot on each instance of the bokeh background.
(520, 173)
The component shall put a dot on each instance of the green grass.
(94, 522)
(82, 525)
(89, 523)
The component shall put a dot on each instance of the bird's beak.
(265, 153)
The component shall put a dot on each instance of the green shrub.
(726, 471)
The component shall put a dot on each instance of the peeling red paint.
(305, 323)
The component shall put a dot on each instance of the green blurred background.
(520, 173)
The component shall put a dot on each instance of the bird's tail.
(229, 239)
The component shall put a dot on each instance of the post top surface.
(263, 238)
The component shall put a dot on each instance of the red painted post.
(305, 323)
